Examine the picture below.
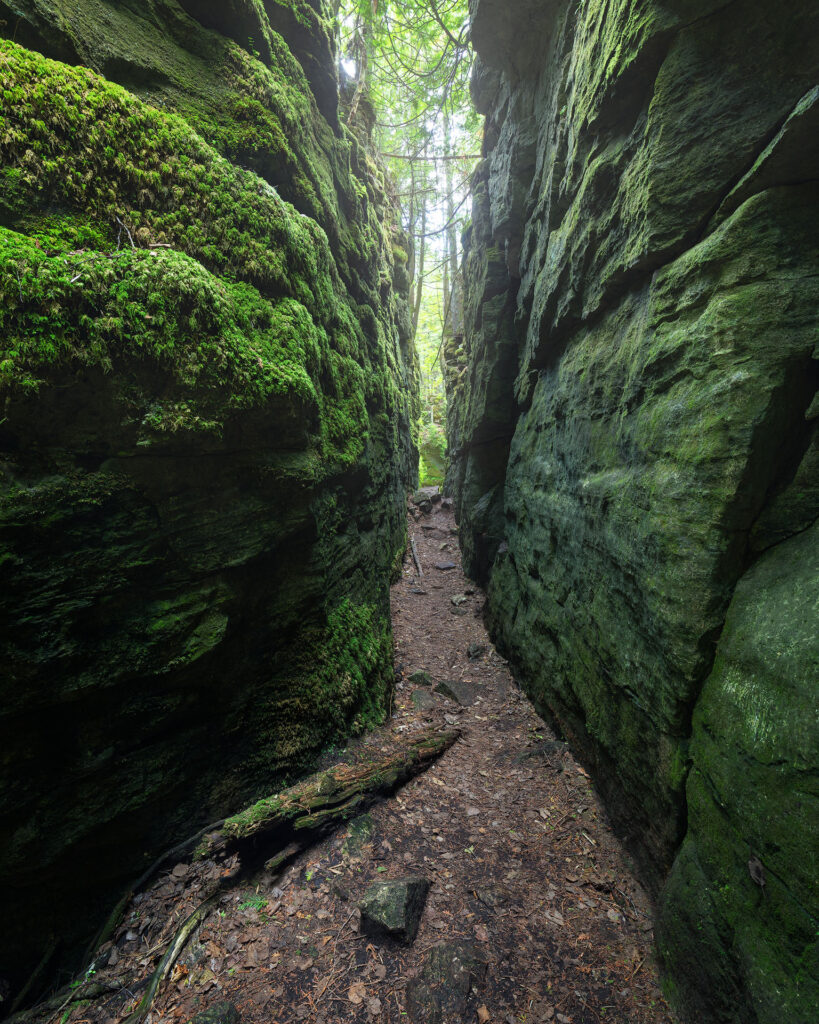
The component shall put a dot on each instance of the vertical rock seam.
(206, 393)
(634, 458)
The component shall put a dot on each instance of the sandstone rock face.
(206, 388)
(633, 446)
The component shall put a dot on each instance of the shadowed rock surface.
(442, 991)
(221, 1013)
(394, 908)
(206, 388)
(632, 434)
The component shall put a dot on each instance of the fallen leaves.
(515, 877)
(357, 993)
(179, 973)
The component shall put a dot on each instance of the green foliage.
(432, 447)
(255, 902)
(433, 438)
(413, 61)
(429, 334)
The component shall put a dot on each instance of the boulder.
(459, 690)
(633, 432)
(201, 493)
(420, 678)
(423, 700)
(393, 908)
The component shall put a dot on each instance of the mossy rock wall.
(206, 391)
(632, 437)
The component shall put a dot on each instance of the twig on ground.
(127, 232)
(636, 969)
(171, 956)
(38, 970)
(415, 557)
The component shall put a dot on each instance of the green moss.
(751, 793)
(82, 143)
(340, 682)
(206, 393)
(265, 305)
(265, 808)
(159, 305)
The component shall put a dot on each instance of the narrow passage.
(533, 914)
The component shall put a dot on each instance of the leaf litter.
(507, 827)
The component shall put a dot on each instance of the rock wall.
(634, 453)
(206, 390)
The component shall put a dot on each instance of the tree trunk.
(455, 300)
(416, 313)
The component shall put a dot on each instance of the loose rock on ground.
(532, 915)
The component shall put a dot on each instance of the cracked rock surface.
(634, 458)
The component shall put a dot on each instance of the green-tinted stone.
(632, 425)
(205, 448)
(220, 1013)
(394, 908)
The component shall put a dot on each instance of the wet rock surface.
(633, 429)
(204, 456)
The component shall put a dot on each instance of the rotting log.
(279, 827)
(325, 799)
(271, 833)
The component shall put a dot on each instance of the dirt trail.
(527, 877)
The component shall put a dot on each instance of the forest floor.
(534, 914)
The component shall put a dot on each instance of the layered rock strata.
(207, 386)
(633, 447)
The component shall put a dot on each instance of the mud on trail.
(533, 914)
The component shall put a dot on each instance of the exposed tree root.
(167, 962)
(175, 853)
(38, 970)
(415, 558)
(270, 834)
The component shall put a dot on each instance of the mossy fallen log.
(279, 827)
(325, 799)
(270, 833)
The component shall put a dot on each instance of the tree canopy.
(410, 62)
